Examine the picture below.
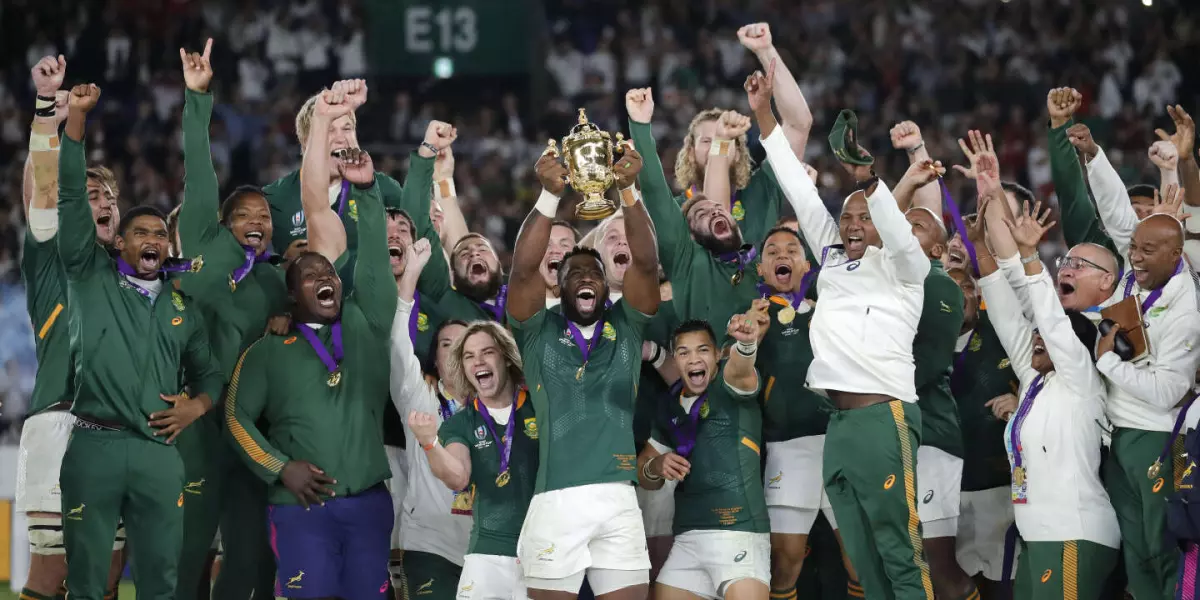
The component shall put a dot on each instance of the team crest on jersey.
(739, 211)
(610, 334)
(976, 344)
(422, 322)
(1003, 364)
(704, 410)
(196, 264)
(531, 431)
(353, 211)
(1156, 311)
(177, 301)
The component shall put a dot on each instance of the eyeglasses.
(1076, 262)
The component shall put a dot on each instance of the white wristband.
(630, 196)
(747, 350)
(547, 204)
(444, 188)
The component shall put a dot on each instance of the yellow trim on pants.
(1070, 570)
(910, 495)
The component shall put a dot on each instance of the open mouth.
(697, 379)
(585, 300)
(957, 259)
(553, 264)
(720, 227)
(621, 259)
(104, 219)
(254, 238)
(854, 241)
(1066, 289)
(485, 379)
(1039, 348)
(325, 296)
(396, 253)
(1141, 275)
(148, 261)
(477, 269)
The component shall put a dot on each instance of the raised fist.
(84, 97)
(732, 125)
(1062, 104)
(1164, 155)
(906, 136)
(48, 75)
(332, 104)
(355, 91)
(756, 37)
(639, 103)
(440, 135)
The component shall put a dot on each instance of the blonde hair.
(688, 173)
(593, 238)
(106, 178)
(457, 376)
(304, 118)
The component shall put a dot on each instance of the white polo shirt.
(1061, 433)
(863, 328)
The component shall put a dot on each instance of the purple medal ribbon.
(962, 356)
(412, 318)
(956, 218)
(1019, 419)
(252, 258)
(444, 407)
(497, 309)
(331, 361)
(1155, 294)
(343, 197)
(797, 298)
(685, 435)
(742, 257)
(127, 269)
(586, 346)
(505, 442)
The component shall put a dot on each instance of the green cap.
(843, 140)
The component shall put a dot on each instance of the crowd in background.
(889, 61)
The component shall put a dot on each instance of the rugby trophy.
(589, 157)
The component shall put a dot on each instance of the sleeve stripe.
(50, 321)
(240, 435)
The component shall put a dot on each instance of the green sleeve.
(245, 402)
(526, 332)
(675, 245)
(76, 237)
(941, 320)
(1080, 223)
(633, 318)
(204, 374)
(199, 220)
(374, 287)
(418, 193)
(455, 430)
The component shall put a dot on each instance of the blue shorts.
(339, 550)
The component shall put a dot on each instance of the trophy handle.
(551, 148)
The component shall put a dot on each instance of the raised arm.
(374, 286)
(731, 129)
(454, 224)
(1080, 223)
(245, 401)
(40, 181)
(906, 136)
(445, 447)
(1112, 201)
(526, 288)
(406, 378)
(77, 244)
(675, 245)
(422, 171)
(199, 220)
(641, 279)
(326, 235)
(816, 224)
(793, 108)
(739, 373)
(1008, 319)
(900, 246)
(1184, 140)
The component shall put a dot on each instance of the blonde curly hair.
(688, 173)
(457, 375)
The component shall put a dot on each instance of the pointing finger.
(207, 49)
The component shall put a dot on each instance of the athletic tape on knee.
(46, 536)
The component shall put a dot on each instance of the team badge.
(422, 322)
(1004, 363)
(353, 211)
(610, 334)
(1156, 311)
(739, 211)
(196, 264)
(704, 410)
(531, 431)
(976, 344)
(177, 301)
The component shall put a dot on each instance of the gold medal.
(736, 279)
(1019, 475)
(786, 315)
(502, 478)
(579, 374)
(334, 379)
(1152, 473)
(232, 284)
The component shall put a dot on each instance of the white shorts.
(397, 487)
(490, 577)
(706, 562)
(597, 526)
(939, 483)
(793, 486)
(985, 519)
(658, 508)
(39, 460)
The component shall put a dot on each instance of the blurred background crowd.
(511, 73)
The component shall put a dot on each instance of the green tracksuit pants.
(1072, 570)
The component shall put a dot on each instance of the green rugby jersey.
(702, 283)
(933, 353)
(128, 350)
(236, 312)
(790, 409)
(46, 301)
(336, 427)
(723, 489)
(498, 511)
(982, 372)
(586, 421)
(650, 383)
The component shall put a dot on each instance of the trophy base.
(595, 207)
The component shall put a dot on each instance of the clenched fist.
(1062, 104)
(332, 105)
(732, 125)
(48, 75)
(639, 103)
(440, 135)
(355, 91)
(84, 97)
(756, 37)
(1164, 155)
(424, 427)
(906, 136)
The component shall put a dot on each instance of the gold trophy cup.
(588, 157)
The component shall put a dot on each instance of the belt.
(86, 422)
